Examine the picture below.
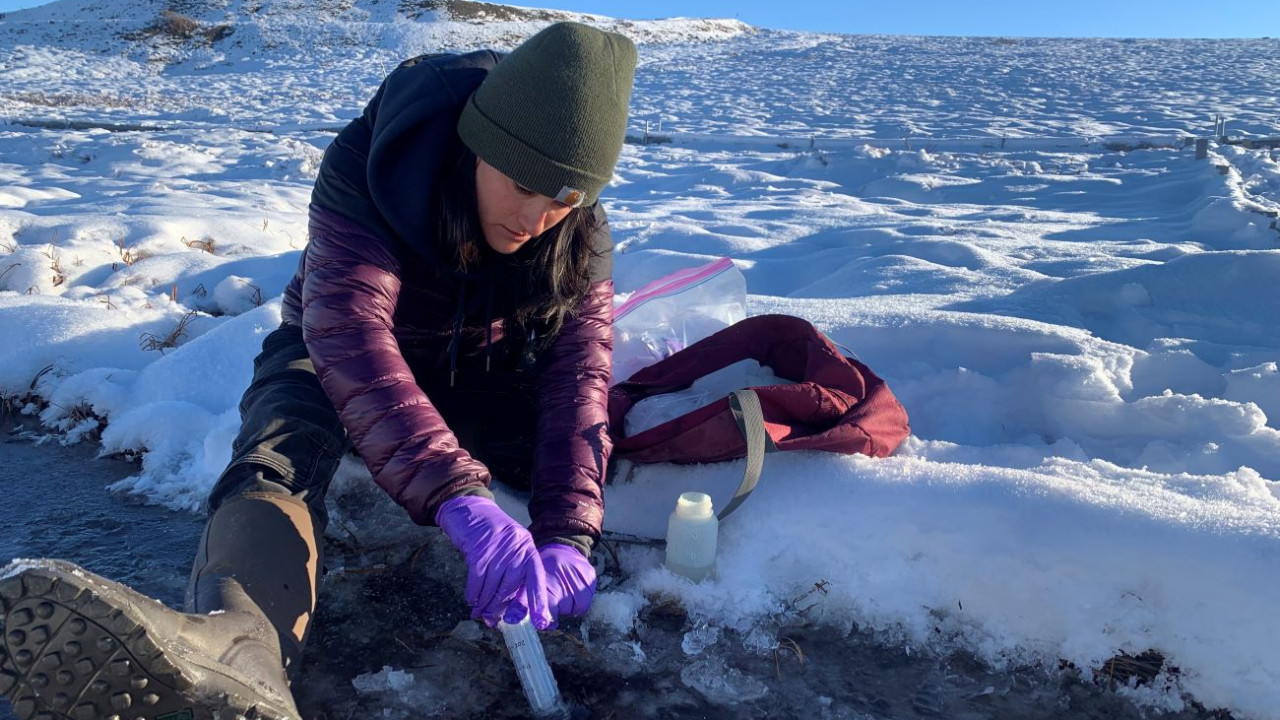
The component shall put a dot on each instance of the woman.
(451, 319)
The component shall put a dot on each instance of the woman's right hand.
(502, 562)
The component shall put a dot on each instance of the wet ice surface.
(398, 627)
(53, 504)
(392, 637)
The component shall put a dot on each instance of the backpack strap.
(745, 405)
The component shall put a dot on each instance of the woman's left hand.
(571, 580)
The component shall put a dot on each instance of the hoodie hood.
(382, 168)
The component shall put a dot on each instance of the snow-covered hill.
(176, 31)
(255, 63)
(1078, 314)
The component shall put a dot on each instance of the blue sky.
(1053, 18)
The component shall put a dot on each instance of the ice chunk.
(19, 566)
(467, 631)
(700, 638)
(722, 684)
(402, 694)
(760, 640)
(385, 680)
(625, 657)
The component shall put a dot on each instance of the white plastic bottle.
(535, 674)
(691, 536)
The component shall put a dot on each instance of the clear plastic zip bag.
(673, 312)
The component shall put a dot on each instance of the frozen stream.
(392, 638)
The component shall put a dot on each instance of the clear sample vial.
(535, 674)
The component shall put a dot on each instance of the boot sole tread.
(67, 652)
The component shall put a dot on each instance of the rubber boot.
(261, 553)
(76, 645)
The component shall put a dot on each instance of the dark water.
(400, 606)
(53, 503)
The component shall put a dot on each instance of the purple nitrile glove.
(502, 562)
(571, 580)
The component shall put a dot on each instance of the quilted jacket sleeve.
(350, 288)
(573, 439)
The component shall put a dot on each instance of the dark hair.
(541, 284)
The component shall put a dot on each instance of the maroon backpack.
(836, 404)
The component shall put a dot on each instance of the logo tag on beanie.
(570, 196)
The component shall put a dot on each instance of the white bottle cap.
(694, 505)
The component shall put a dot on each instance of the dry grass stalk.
(55, 264)
(6, 270)
(35, 380)
(819, 587)
(151, 341)
(73, 99)
(177, 25)
(218, 32)
(13, 404)
(206, 244)
(789, 645)
(78, 414)
(1141, 668)
(413, 559)
(127, 255)
(181, 27)
(355, 541)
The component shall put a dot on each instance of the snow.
(1077, 314)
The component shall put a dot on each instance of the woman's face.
(512, 215)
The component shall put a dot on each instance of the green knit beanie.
(552, 115)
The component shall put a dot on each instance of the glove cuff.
(467, 501)
(582, 543)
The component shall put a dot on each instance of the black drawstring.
(457, 332)
(488, 329)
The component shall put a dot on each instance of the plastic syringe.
(535, 674)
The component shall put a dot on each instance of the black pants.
(291, 439)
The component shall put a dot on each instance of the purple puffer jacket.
(377, 307)
(350, 305)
